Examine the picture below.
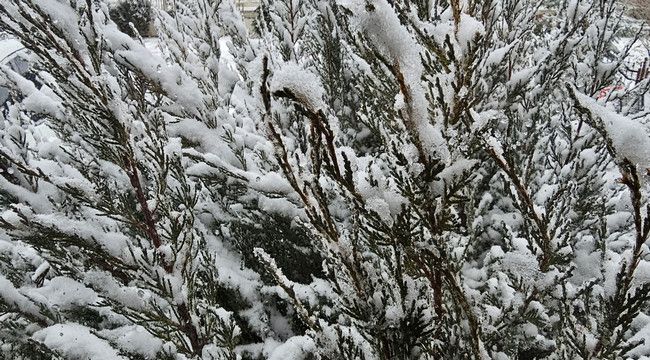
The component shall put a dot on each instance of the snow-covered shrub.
(639, 9)
(130, 14)
(365, 180)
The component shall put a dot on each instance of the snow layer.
(65, 293)
(629, 138)
(12, 296)
(134, 339)
(303, 84)
(7, 48)
(379, 22)
(294, 348)
(75, 341)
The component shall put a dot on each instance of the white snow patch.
(75, 341)
(65, 292)
(134, 339)
(303, 84)
(629, 138)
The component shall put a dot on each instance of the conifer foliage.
(132, 14)
(360, 179)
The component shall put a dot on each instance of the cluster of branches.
(361, 180)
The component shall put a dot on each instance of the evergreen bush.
(366, 179)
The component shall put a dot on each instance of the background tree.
(133, 14)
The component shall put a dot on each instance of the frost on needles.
(354, 179)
